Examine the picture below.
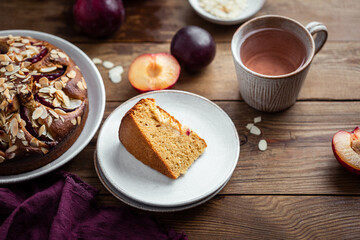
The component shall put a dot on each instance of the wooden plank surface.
(299, 159)
(295, 189)
(157, 21)
(337, 65)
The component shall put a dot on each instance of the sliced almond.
(255, 130)
(58, 85)
(262, 145)
(71, 74)
(80, 85)
(10, 68)
(2, 159)
(44, 150)
(52, 112)
(108, 64)
(56, 102)
(34, 142)
(4, 58)
(12, 149)
(249, 126)
(73, 121)
(37, 113)
(48, 69)
(44, 82)
(257, 119)
(42, 130)
(62, 55)
(97, 60)
(78, 120)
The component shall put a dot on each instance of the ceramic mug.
(275, 93)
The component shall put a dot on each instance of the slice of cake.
(158, 140)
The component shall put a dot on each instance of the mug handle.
(321, 34)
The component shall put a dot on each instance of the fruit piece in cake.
(158, 140)
(154, 72)
(346, 147)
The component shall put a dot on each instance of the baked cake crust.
(135, 140)
(43, 103)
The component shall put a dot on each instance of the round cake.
(43, 103)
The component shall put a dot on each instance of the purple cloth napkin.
(62, 206)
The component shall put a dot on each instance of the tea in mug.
(272, 51)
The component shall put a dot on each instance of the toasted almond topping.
(64, 79)
(37, 113)
(62, 55)
(44, 81)
(59, 111)
(11, 155)
(52, 112)
(7, 93)
(2, 159)
(83, 82)
(2, 81)
(44, 150)
(19, 58)
(34, 142)
(11, 149)
(42, 130)
(14, 127)
(73, 121)
(56, 102)
(4, 58)
(48, 69)
(58, 85)
(80, 86)
(44, 113)
(49, 121)
(25, 143)
(71, 74)
(10, 68)
(54, 56)
(78, 120)
(22, 123)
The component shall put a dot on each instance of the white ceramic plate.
(96, 94)
(207, 174)
(145, 207)
(253, 6)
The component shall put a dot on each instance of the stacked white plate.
(142, 187)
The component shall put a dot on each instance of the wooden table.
(295, 189)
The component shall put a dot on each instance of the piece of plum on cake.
(158, 140)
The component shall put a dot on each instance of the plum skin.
(193, 47)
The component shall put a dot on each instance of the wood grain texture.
(336, 65)
(299, 159)
(157, 21)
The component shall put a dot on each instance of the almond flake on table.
(249, 126)
(262, 145)
(108, 64)
(257, 119)
(255, 130)
(97, 60)
(115, 74)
